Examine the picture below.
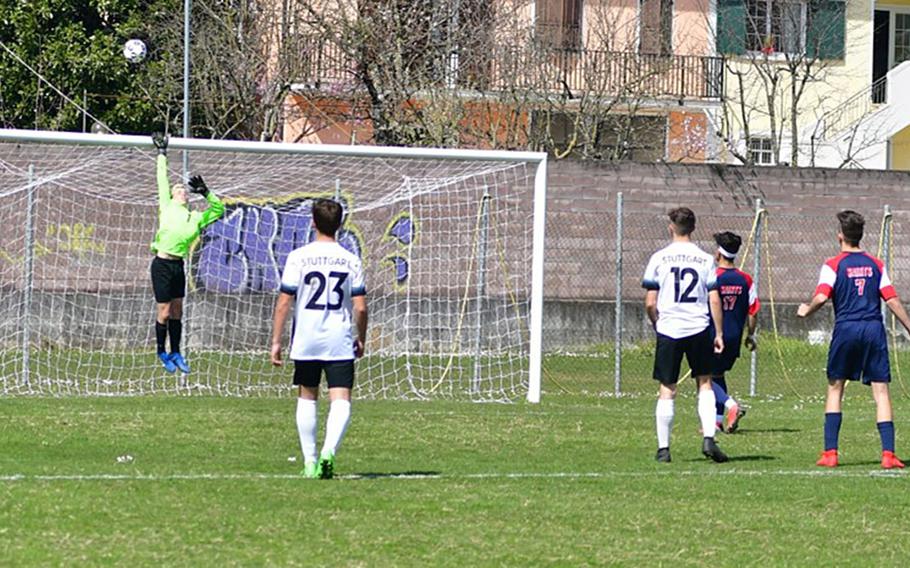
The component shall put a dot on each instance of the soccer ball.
(134, 50)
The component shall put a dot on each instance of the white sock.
(336, 424)
(664, 418)
(306, 428)
(706, 402)
(730, 403)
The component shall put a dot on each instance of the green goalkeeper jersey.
(178, 227)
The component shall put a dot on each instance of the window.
(558, 23)
(776, 26)
(901, 38)
(656, 27)
(761, 152)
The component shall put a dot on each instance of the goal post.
(452, 241)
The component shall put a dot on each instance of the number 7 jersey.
(324, 277)
(855, 281)
(682, 274)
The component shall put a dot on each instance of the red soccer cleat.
(734, 415)
(829, 459)
(890, 461)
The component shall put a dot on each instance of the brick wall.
(581, 243)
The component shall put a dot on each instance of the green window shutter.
(731, 26)
(827, 28)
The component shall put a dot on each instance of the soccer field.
(571, 481)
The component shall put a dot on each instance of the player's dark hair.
(851, 226)
(327, 216)
(683, 220)
(728, 241)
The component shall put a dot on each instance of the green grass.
(568, 482)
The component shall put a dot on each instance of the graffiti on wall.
(401, 232)
(246, 249)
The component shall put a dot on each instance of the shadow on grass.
(767, 431)
(394, 474)
(752, 458)
(738, 459)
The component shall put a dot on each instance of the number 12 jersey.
(324, 277)
(682, 274)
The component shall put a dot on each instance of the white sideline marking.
(456, 476)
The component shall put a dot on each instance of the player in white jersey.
(325, 284)
(681, 284)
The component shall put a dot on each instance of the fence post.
(756, 270)
(617, 331)
(885, 251)
(29, 274)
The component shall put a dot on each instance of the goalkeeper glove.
(197, 185)
(160, 142)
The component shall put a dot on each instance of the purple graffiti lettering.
(350, 241)
(401, 266)
(402, 230)
(246, 251)
(296, 230)
(260, 225)
(221, 265)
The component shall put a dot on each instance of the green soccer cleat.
(326, 467)
(311, 470)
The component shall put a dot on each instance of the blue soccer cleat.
(169, 365)
(177, 359)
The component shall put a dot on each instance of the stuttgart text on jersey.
(327, 261)
(686, 258)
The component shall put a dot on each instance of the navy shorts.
(698, 350)
(338, 374)
(859, 351)
(725, 361)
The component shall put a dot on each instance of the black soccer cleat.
(663, 455)
(712, 452)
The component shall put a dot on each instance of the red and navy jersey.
(855, 281)
(738, 301)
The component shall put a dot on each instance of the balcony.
(534, 69)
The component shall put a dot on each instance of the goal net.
(447, 238)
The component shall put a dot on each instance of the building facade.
(816, 82)
(604, 79)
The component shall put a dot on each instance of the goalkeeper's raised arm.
(178, 227)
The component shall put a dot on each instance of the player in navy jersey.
(857, 282)
(740, 305)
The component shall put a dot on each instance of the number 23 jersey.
(324, 277)
(682, 274)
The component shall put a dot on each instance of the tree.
(76, 47)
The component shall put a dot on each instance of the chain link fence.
(596, 255)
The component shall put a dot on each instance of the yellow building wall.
(837, 81)
(900, 150)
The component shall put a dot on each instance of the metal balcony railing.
(535, 68)
(853, 110)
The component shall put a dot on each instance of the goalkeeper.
(178, 227)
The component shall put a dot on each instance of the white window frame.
(755, 153)
(893, 11)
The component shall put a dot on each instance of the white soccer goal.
(452, 242)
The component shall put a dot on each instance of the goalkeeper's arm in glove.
(160, 142)
(197, 185)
